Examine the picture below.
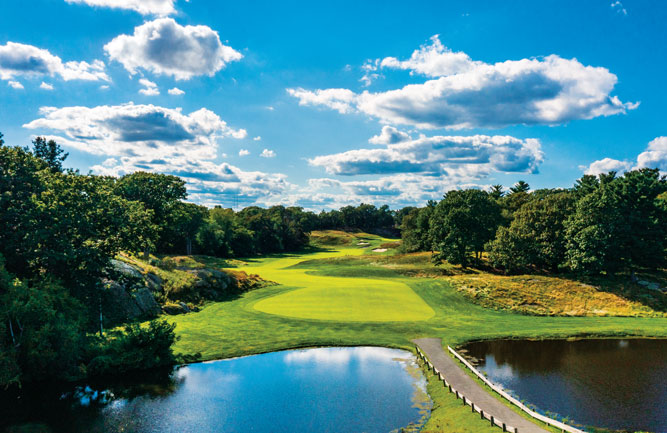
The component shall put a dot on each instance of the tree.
(159, 193)
(2, 142)
(519, 187)
(496, 192)
(50, 152)
(415, 229)
(461, 224)
(536, 236)
(619, 225)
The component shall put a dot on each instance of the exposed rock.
(173, 309)
(126, 269)
(146, 302)
(154, 282)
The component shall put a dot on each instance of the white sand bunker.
(362, 243)
(379, 250)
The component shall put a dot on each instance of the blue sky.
(322, 105)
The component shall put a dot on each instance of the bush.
(134, 348)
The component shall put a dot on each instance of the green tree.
(50, 152)
(497, 192)
(461, 224)
(159, 193)
(536, 236)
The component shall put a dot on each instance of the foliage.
(134, 348)
(461, 224)
(41, 331)
(620, 224)
(536, 236)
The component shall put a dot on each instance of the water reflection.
(328, 389)
(620, 384)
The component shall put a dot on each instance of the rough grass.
(535, 294)
(236, 327)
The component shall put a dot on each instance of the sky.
(325, 104)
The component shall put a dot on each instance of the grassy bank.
(343, 274)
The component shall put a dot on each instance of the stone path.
(471, 390)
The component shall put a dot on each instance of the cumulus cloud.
(151, 138)
(15, 84)
(45, 86)
(21, 60)
(606, 165)
(462, 93)
(150, 88)
(175, 91)
(341, 100)
(258, 138)
(266, 153)
(244, 152)
(470, 156)
(136, 130)
(655, 156)
(434, 60)
(389, 135)
(164, 47)
(144, 7)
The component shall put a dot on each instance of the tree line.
(604, 224)
(61, 228)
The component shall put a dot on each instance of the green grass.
(241, 327)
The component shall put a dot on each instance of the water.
(615, 384)
(362, 389)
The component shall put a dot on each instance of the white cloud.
(433, 60)
(389, 135)
(619, 8)
(104, 87)
(467, 94)
(150, 88)
(136, 130)
(175, 91)
(341, 100)
(164, 47)
(258, 138)
(244, 152)
(21, 60)
(15, 84)
(468, 156)
(144, 7)
(655, 156)
(266, 153)
(45, 86)
(606, 165)
(151, 138)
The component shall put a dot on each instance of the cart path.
(465, 385)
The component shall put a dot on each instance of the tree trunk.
(188, 246)
(101, 318)
(147, 253)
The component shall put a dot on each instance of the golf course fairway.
(338, 298)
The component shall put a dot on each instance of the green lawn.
(364, 304)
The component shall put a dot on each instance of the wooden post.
(493, 421)
(472, 407)
(450, 388)
(504, 427)
(464, 400)
(481, 413)
(457, 394)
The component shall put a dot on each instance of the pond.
(614, 384)
(350, 389)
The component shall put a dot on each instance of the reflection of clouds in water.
(341, 356)
(201, 378)
(499, 373)
(623, 343)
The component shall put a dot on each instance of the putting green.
(337, 298)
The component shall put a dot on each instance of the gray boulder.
(126, 269)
